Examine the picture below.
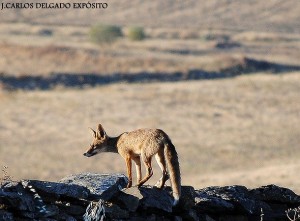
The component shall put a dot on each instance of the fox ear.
(101, 131)
(95, 134)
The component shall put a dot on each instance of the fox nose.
(84, 154)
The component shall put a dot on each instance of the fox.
(141, 145)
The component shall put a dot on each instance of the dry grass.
(255, 15)
(237, 131)
(23, 51)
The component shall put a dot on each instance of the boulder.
(58, 190)
(15, 196)
(275, 194)
(187, 198)
(113, 211)
(100, 186)
(4, 215)
(228, 199)
(147, 198)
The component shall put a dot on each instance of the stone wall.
(90, 196)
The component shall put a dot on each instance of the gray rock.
(64, 217)
(211, 204)
(208, 218)
(130, 198)
(18, 197)
(146, 217)
(233, 218)
(190, 215)
(101, 186)
(113, 211)
(228, 199)
(156, 199)
(72, 209)
(15, 196)
(95, 211)
(7, 216)
(77, 194)
(187, 198)
(146, 198)
(58, 190)
(275, 194)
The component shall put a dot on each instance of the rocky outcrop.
(90, 196)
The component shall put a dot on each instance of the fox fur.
(141, 145)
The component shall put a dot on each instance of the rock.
(146, 217)
(15, 196)
(58, 190)
(130, 198)
(150, 199)
(95, 211)
(275, 194)
(71, 209)
(177, 218)
(233, 218)
(208, 218)
(190, 215)
(63, 217)
(97, 196)
(211, 204)
(102, 186)
(228, 199)
(187, 198)
(113, 211)
(156, 199)
(7, 216)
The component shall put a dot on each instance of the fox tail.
(174, 170)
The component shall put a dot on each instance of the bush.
(101, 34)
(45, 32)
(136, 34)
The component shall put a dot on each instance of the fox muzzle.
(88, 154)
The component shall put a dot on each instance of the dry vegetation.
(236, 131)
(242, 130)
(257, 15)
(68, 50)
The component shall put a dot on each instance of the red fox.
(139, 145)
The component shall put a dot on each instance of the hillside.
(255, 15)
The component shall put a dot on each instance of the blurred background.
(221, 77)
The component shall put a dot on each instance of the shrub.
(102, 34)
(5, 176)
(136, 34)
(45, 32)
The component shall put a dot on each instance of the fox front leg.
(129, 171)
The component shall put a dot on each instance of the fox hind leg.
(149, 171)
(160, 159)
(137, 162)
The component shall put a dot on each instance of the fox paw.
(129, 184)
(159, 184)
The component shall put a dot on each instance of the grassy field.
(236, 131)
(230, 130)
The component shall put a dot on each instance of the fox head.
(99, 143)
